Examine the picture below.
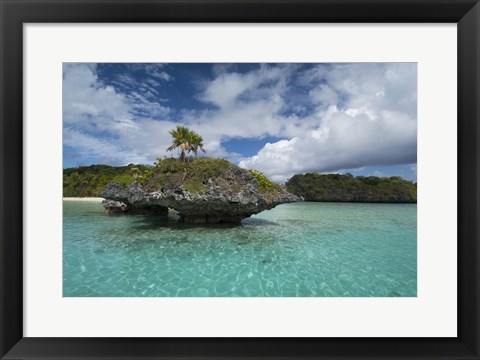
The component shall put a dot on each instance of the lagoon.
(307, 249)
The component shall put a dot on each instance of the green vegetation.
(191, 173)
(88, 181)
(335, 187)
(268, 189)
(186, 140)
(264, 184)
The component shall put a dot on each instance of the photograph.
(239, 179)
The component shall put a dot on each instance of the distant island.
(202, 190)
(349, 188)
(210, 190)
(91, 181)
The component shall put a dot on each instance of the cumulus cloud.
(105, 123)
(247, 105)
(105, 151)
(331, 117)
(366, 116)
(342, 141)
(89, 105)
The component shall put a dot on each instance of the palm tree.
(180, 140)
(186, 140)
(196, 142)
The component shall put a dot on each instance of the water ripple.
(301, 249)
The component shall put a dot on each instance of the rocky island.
(349, 188)
(202, 190)
(209, 190)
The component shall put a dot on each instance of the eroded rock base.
(118, 207)
(227, 198)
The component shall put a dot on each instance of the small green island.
(212, 190)
(349, 188)
(201, 189)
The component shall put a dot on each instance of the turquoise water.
(299, 249)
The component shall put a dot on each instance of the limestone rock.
(227, 198)
(114, 207)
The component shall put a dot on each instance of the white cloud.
(332, 117)
(156, 70)
(370, 120)
(247, 105)
(229, 90)
(89, 105)
(341, 142)
(104, 150)
(107, 124)
(126, 80)
(323, 95)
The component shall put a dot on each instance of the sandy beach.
(89, 199)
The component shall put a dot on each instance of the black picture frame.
(14, 13)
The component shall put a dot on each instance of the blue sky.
(281, 119)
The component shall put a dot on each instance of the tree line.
(89, 181)
(349, 188)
